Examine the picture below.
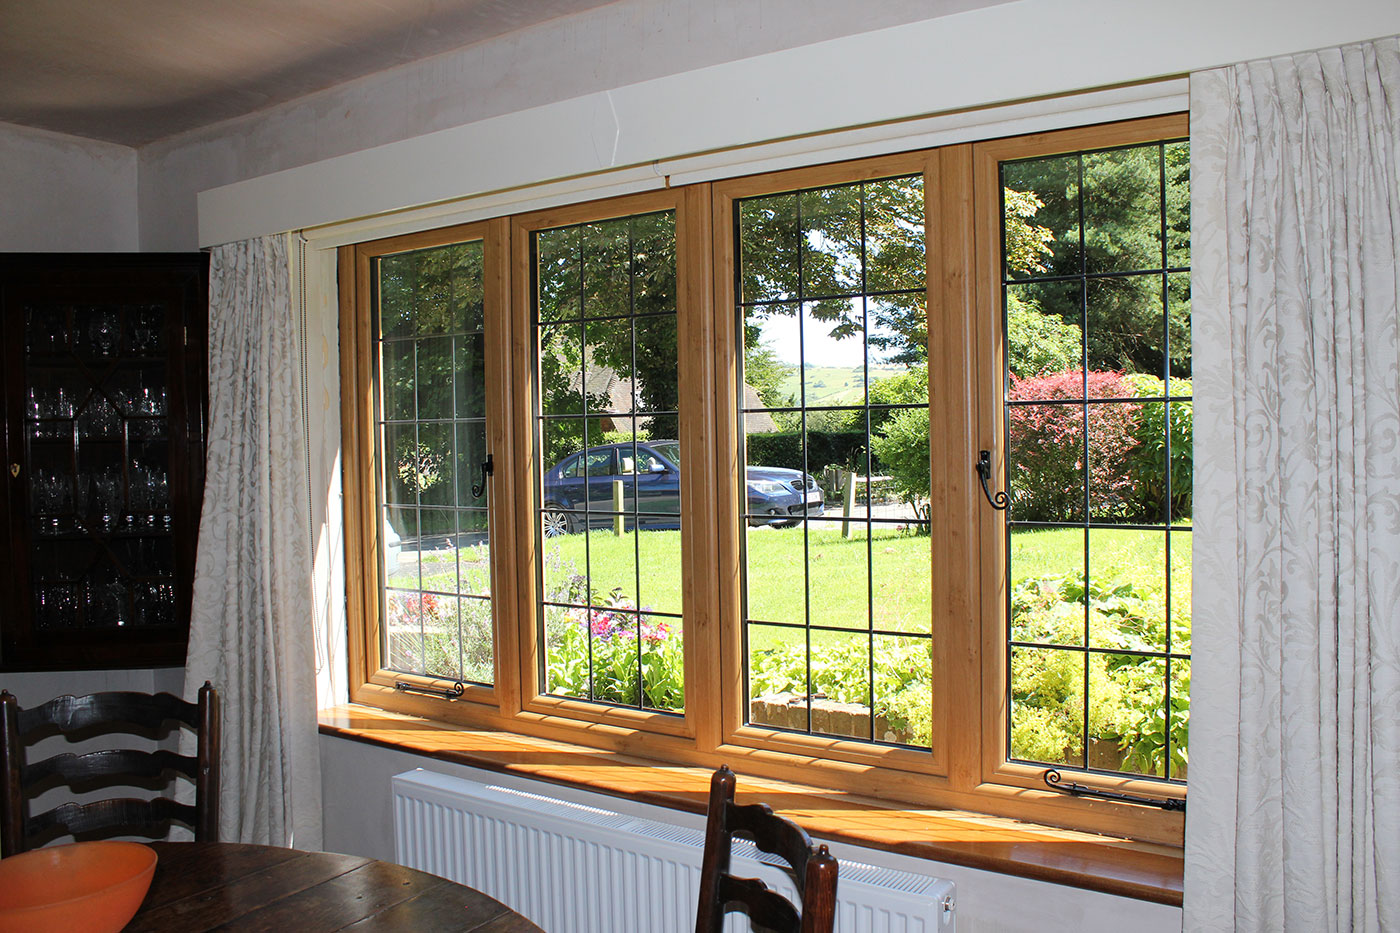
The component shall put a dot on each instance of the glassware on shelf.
(49, 409)
(108, 486)
(145, 330)
(104, 331)
(155, 604)
(55, 605)
(99, 418)
(51, 498)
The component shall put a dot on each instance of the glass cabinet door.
(104, 403)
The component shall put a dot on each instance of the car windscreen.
(670, 450)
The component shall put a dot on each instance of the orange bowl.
(92, 887)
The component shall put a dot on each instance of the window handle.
(487, 468)
(1001, 500)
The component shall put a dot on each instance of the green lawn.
(895, 565)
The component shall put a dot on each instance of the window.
(834, 372)
(610, 593)
(734, 513)
(1097, 414)
(430, 438)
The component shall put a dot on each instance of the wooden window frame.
(966, 768)
(997, 771)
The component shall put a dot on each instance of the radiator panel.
(573, 868)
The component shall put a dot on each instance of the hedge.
(824, 449)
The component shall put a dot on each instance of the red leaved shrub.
(1046, 460)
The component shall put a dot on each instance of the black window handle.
(487, 468)
(1001, 500)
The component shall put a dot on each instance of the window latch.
(487, 469)
(983, 466)
(448, 693)
(1055, 782)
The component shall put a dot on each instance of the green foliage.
(1038, 343)
(606, 648)
(1147, 462)
(1122, 232)
(903, 450)
(419, 467)
(1027, 244)
(1126, 692)
(903, 680)
(767, 374)
(824, 448)
(440, 636)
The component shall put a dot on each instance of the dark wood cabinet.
(103, 382)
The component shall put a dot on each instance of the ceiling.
(133, 71)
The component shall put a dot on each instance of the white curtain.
(1294, 819)
(251, 627)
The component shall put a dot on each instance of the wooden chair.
(814, 869)
(102, 714)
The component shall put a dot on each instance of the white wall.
(611, 46)
(64, 193)
(359, 821)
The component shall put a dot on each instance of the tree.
(1121, 234)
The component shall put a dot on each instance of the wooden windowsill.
(1083, 860)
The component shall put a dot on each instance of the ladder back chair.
(101, 715)
(814, 868)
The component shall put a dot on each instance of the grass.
(895, 563)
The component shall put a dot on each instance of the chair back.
(814, 868)
(101, 714)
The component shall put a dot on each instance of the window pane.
(901, 592)
(607, 388)
(1047, 585)
(841, 684)
(1047, 705)
(777, 676)
(894, 235)
(903, 690)
(835, 430)
(1127, 589)
(769, 245)
(1041, 217)
(1127, 714)
(1123, 209)
(1126, 328)
(396, 379)
(831, 241)
(1098, 458)
(1044, 332)
(432, 381)
(558, 281)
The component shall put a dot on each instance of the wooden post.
(617, 507)
(848, 503)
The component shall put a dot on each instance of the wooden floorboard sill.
(1083, 860)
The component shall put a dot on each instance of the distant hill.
(835, 385)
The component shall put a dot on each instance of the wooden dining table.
(202, 886)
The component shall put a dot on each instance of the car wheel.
(555, 522)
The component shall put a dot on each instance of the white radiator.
(572, 868)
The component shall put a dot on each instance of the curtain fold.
(1294, 820)
(251, 625)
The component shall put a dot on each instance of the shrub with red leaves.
(1046, 460)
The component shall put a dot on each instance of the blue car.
(589, 487)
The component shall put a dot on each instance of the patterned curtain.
(1294, 820)
(251, 630)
